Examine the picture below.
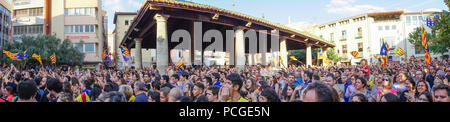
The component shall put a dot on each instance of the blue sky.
(317, 11)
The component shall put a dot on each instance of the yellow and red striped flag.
(53, 58)
(400, 51)
(354, 53)
(424, 39)
(13, 56)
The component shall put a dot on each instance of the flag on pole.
(105, 54)
(37, 57)
(180, 63)
(354, 53)
(424, 40)
(124, 50)
(25, 54)
(399, 51)
(384, 54)
(13, 56)
(427, 57)
(281, 59)
(293, 58)
(53, 58)
(430, 21)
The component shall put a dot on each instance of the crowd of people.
(408, 82)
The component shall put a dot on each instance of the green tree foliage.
(45, 46)
(442, 28)
(434, 45)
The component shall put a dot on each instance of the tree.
(45, 46)
(442, 29)
(333, 56)
(435, 46)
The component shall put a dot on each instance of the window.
(77, 29)
(82, 11)
(86, 27)
(89, 47)
(67, 29)
(421, 19)
(386, 27)
(414, 18)
(79, 46)
(88, 11)
(394, 27)
(331, 37)
(126, 22)
(81, 28)
(344, 35)
(408, 20)
(92, 28)
(360, 47)
(71, 11)
(344, 49)
(380, 28)
(66, 12)
(359, 31)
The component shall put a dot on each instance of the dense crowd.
(408, 82)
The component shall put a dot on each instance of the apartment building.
(5, 22)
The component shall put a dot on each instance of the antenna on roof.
(289, 19)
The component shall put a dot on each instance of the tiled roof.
(232, 13)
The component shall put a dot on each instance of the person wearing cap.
(139, 91)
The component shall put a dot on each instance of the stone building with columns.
(205, 35)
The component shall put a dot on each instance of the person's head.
(198, 89)
(318, 92)
(389, 97)
(126, 90)
(183, 99)
(330, 80)
(110, 86)
(174, 94)
(202, 98)
(250, 84)
(164, 94)
(9, 90)
(54, 86)
(212, 93)
(65, 97)
(139, 87)
(269, 95)
(359, 98)
(442, 93)
(17, 77)
(153, 96)
(437, 81)
(287, 91)
(401, 77)
(174, 78)
(188, 88)
(208, 81)
(27, 90)
(316, 78)
(425, 97)
(113, 96)
(419, 75)
(422, 86)
(360, 83)
(410, 84)
(236, 82)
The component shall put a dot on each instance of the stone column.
(283, 53)
(138, 45)
(308, 55)
(239, 48)
(162, 44)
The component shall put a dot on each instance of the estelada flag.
(427, 56)
(105, 54)
(13, 56)
(53, 58)
(25, 54)
(37, 57)
(399, 51)
(354, 53)
(124, 50)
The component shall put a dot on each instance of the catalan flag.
(354, 53)
(53, 58)
(399, 51)
(180, 63)
(124, 50)
(427, 56)
(37, 57)
(424, 39)
(13, 56)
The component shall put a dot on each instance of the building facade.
(28, 18)
(5, 22)
(366, 32)
(82, 22)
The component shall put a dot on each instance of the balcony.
(358, 37)
(344, 39)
